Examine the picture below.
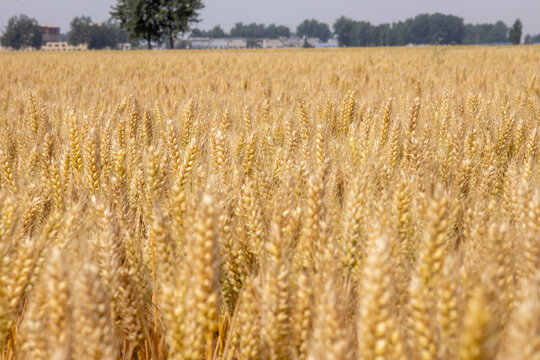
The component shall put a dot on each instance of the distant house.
(272, 43)
(298, 42)
(293, 41)
(63, 46)
(237, 43)
(124, 46)
(265, 43)
(50, 34)
(312, 41)
(200, 43)
(218, 43)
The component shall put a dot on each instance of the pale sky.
(291, 12)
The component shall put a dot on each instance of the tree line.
(424, 29)
(309, 28)
(163, 20)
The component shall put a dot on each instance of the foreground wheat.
(370, 204)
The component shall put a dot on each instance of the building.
(298, 42)
(125, 46)
(63, 46)
(218, 43)
(293, 42)
(50, 33)
(200, 43)
(272, 43)
(265, 43)
(237, 43)
(312, 41)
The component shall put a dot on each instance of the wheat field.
(287, 204)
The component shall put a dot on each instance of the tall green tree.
(140, 18)
(81, 30)
(515, 32)
(175, 16)
(343, 28)
(314, 28)
(152, 19)
(22, 31)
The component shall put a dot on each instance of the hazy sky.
(292, 12)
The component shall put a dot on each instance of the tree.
(313, 28)
(343, 28)
(445, 29)
(274, 31)
(535, 39)
(422, 29)
(115, 34)
(22, 31)
(196, 33)
(175, 16)
(515, 32)
(486, 33)
(498, 33)
(97, 36)
(151, 19)
(81, 29)
(140, 18)
(364, 34)
(106, 35)
(216, 32)
(254, 31)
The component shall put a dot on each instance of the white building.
(298, 42)
(272, 43)
(266, 43)
(313, 41)
(218, 43)
(63, 46)
(293, 41)
(237, 43)
(200, 43)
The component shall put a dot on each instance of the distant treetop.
(314, 28)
